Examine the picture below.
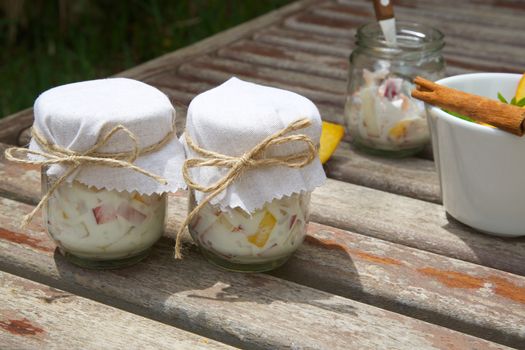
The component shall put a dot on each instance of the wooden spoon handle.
(384, 9)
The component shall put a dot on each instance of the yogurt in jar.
(273, 232)
(102, 224)
(381, 113)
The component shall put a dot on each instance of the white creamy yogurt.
(383, 115)
(270, 233)
(101, 224)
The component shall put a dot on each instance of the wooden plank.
(35, 316)
(412, 177)
(476, 300)
(466, 43)
(213, 69)
(239, 309)
(217, 70)
(11, 126)
(18, 182)
(467, 11)
(379, 214)
(307, 42)
(342, 46)
(394, 277)
(274, 56)
(414, 223)
(343, 25)
(471, 23)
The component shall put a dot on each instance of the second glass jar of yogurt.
(380, 114)
(260, 219)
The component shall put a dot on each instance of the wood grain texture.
(379, 214)
(12, 126)
(36, 316)
(238, 309)
(412, 177)
(466, 297)
(20, 182)
(414, 223)
(394, 277)
(304, 48)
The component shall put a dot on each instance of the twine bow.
(238, 165)
(55, 154)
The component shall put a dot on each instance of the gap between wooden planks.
(33, 315)
(238, 309)
(435, 288)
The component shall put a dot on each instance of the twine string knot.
(255, 158)
(54, 154)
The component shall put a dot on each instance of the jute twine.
(238, 165)
(55, 154)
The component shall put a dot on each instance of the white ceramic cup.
(481, 169)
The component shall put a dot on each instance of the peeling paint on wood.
(24, 239)
(333, 244)
(20, 327)
(455, 279)
(413, 223)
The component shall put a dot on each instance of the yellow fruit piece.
(330, 138)
(520, 91)
(399, 130)
(139, 198)
(266, 226)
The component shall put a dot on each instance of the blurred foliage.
(51, 42)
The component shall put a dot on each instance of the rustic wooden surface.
(392, 276)
(238, 309)
(36, 316)
(382, 267)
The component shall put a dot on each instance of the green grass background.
(46, 43)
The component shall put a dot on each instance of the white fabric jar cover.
(236, 116)
(75, 116)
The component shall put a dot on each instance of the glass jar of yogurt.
(380, 114)
(101, 228)
(258, 241)
(106, 171)
(262, 145)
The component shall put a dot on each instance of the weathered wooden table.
(382, 267)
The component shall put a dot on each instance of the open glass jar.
(258, 241)
(101, 228)
(380, 114)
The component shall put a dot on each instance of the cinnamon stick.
(501, 115)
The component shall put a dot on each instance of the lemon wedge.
(520, 91)
(331, 135)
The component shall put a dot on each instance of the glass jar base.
(402, 153)
(246, 268)
(106, 264)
